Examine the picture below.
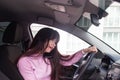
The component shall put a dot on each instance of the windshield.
(109, 27)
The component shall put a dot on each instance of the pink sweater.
(35, 68)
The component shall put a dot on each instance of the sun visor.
(76, 3)
(63, 2)
(63, 17)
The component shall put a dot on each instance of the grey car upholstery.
(3, 77)
(10, 51)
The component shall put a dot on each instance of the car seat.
(10, 51)
(3, 76)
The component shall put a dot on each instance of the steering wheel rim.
(82, 68)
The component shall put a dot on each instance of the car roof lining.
(30, 10)
(33, 11)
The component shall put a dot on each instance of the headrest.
(13, 34)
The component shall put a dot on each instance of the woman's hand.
(90, 49)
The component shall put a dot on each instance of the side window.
(68, 43)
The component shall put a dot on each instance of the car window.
(68, 43)
(109, 27)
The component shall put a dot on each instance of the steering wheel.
(85, 61)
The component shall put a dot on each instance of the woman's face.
(51, 45)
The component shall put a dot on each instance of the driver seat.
(10, 51)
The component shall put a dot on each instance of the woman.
(42, 61)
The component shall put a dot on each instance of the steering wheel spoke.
(85, 61)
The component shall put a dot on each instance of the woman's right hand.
(90, 49)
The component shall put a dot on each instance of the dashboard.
(100, 69)
(114, 71)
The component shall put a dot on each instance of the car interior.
(16, 16)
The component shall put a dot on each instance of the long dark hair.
(39, 45)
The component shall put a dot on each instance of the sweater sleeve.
(76, 58)
(25, 69)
